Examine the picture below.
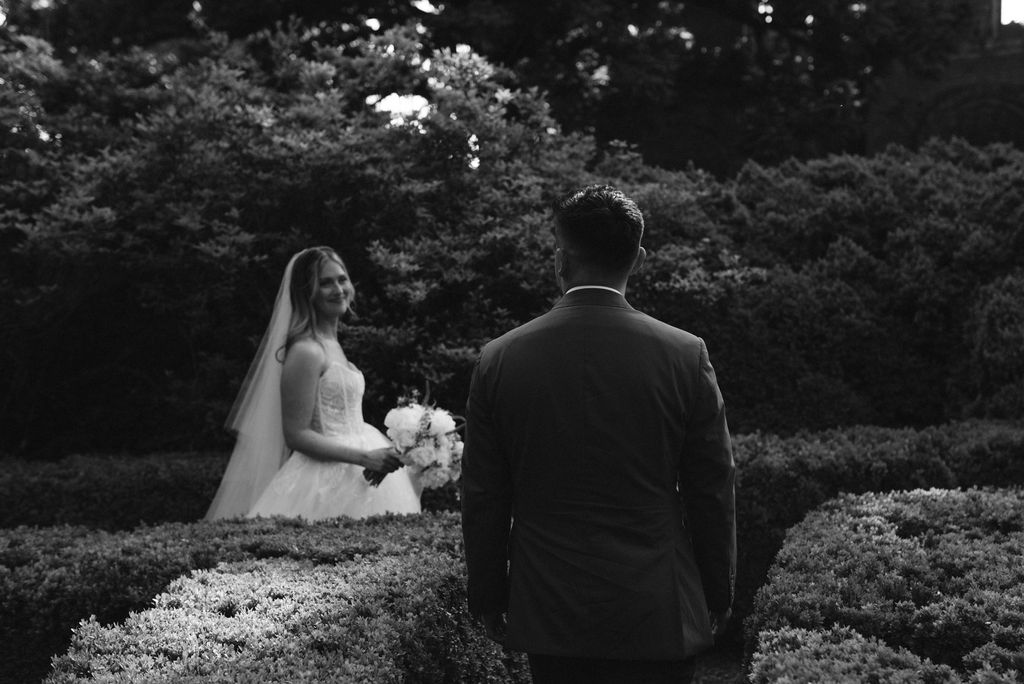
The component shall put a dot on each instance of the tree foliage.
(151, 198)
(140, 280)
(708, 82)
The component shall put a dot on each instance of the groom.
(597, 484)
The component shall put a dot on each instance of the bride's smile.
(334, 290)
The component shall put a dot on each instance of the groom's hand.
(494, 626)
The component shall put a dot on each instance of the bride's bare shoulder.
(305, 351)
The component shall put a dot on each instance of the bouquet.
(428, 441)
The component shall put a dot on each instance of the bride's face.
(334, 290)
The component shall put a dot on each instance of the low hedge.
(51, 578)
(109, 492)
(838, 654)
(781, 479)
(112, 492)
(935, 572)
(369, 620)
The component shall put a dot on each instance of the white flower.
(403, 439)
(421, 456)
(441, 422)
(433, 478)
(402, 425)
(443, 456)
(404, 417)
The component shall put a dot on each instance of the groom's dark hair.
(602, 225)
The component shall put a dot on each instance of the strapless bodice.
(339, 405)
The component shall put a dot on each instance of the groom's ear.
(560, 268)
(641, 255)
(561, 261)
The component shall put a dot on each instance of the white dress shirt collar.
(593, 287)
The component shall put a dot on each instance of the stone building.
(978, 96)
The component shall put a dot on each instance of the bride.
(303, 397)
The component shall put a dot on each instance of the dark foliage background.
(715, 82)
(152, 195)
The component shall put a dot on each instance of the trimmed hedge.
(838, 655)
(935, 572)
(107, 491)
(51, 578)
(781, 479)
(372, 620)
(120, 492)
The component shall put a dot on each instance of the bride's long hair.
(303, 289)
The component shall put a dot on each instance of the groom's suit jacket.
(597, 484)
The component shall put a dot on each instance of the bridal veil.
(260, 449)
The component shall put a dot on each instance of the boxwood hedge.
(51, 578)
(119, 492)
(780, 480)
(370, 619)
(838, 654)
(936, 573)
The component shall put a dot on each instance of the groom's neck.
(614, 283)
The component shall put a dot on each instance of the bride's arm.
(303, 365)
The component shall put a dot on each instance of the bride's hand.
(382, 460)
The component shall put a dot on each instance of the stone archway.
(978, 95)
(980, 113)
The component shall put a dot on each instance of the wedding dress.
(264, 478)
(314, 489)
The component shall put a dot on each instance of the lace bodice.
(339, 405)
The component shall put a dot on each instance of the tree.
(151, 198)
(707, 82)
(163, 234)
(712, 82)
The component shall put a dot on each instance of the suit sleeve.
(707, 485)
(486, 504)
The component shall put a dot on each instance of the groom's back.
(591, 405)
